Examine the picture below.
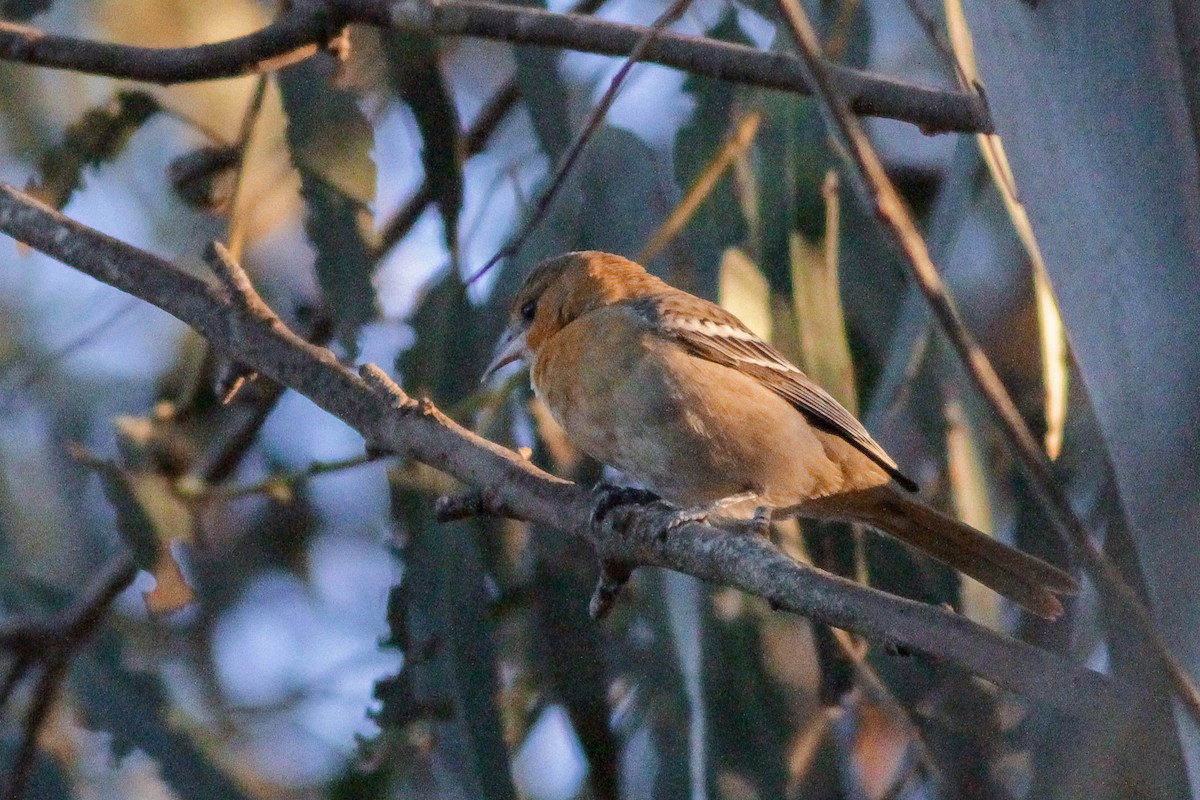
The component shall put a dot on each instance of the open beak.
(510, 348)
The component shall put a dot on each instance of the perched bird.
(679, 395)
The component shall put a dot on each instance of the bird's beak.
(510, 348)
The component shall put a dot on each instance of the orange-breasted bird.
(680, 396)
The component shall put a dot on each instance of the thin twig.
(238, 215)
(273, 485)
(55, 642)
(590, 126)
(938, 40)
(877, 192)
(474, 140)
(389, 420)
(49, 360)
(735, 145)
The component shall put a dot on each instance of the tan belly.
(690, 430)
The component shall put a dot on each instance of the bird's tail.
(1023, 578)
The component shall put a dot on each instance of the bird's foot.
(609, 497)
(760, 523)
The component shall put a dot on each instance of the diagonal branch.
(880, 195)
(52, 643)
(590, 126)
(247, 331)
(297, 33)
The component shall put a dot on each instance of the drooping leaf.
(412, 68)
(815, 286)
(439, 616)
(151, 515)
(337, 229)
(450, 353)
(618, 178)
(132, 707)
(718, 223)
(727, 162)
(607, 202)
(544, 94)
(95, 138)
(742, 290)
(327, 131)
(330, 144)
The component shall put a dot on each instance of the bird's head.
(559, 291)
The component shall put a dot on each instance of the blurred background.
(303, 628)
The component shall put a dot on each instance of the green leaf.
(545, 95)
(412, 68)
(327, 131)
(449, 678)
(330, 143)
(336, 228)
(618, 177)
(150, 513)
(450, 353)
(605, 203)
(95, 138)
(718, 222)
(132, 707)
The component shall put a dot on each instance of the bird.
(677, 394)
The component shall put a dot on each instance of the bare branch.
(387, 419)
(298, 32)
(494, 111)
(291, 37)
(52, 643)
(869, 94)
(590, 126)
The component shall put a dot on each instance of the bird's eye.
(528, 310)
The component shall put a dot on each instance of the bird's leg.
(761, 522)
(609, 497)
(702, 513)
(613, 577)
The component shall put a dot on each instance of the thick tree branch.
(237, 322)
(292, 36)
(297, 32)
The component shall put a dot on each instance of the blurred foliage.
(330, 143)
(412, 69)
(290, 652)
(20, 10)
(98, 136)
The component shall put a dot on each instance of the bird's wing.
(718, 336)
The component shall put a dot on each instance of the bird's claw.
(613, 577)
(609, 497)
